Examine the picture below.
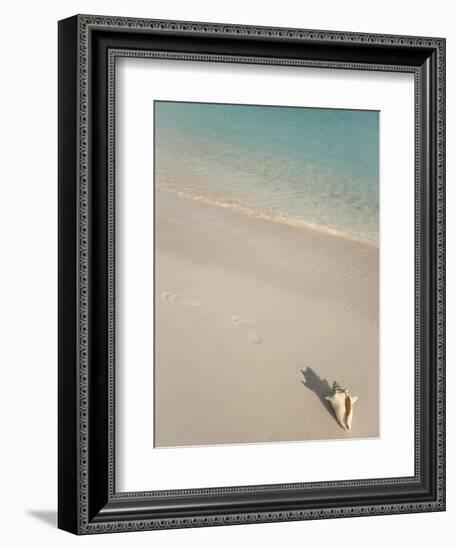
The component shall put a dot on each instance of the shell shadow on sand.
(320, 387)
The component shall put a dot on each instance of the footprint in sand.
(254, 338)
(240, 321)
(173, 298)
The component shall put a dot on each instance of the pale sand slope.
(312, 302)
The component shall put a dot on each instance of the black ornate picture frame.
(88, 501)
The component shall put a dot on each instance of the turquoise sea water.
(306, 167)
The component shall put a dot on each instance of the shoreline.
(254, 321)
(275, 218)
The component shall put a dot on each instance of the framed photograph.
(251, 274)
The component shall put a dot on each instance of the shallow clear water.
(307, 167)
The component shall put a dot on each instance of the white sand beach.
(254, 321)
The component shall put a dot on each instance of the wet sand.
(254, 321)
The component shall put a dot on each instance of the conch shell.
(342, 404)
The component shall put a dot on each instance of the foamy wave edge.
(268, 216)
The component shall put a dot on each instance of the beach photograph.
(266, 274)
